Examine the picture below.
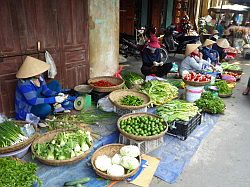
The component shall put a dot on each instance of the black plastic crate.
(98, 95)
(183, 129)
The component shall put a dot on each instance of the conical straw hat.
(215, 32)
(208, 42)
(190, 48)
(31, 67)
(223, 43)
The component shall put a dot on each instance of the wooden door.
(61, 28)
(73, 34)
(127, 16)
(157, 12)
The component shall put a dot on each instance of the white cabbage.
(116, 159)
(129, 162)
(103, 162)
(116, 170)
(130, 150)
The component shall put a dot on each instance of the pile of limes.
(143, 125)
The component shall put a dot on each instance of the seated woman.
(193, 61)
(32, 93)
(220, 46)
(209, 54)
(151, 57)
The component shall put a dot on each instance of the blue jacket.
(27, 95)
(209, 53)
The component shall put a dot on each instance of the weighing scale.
(83, 101)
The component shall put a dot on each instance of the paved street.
(223, 158)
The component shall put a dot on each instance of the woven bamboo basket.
(110, 150)
(117, 95)
(140, 138)
(192, 83)
(225, 95)
(119, 83)
(235, 71)
(49, 136)
(20, 145)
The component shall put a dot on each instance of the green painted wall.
(169, 14)
(103, 37)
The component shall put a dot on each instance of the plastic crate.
(121, 112)
(183, 129)
(144, 146)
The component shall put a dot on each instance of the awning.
(230, 8)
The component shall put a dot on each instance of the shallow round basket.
(140, 138)
(110, 150)
(191, 83)
(235, 71)
(20, 145)
(225, 95)
(49, 136)
(117, 95)
(84, 88)
(119, 83)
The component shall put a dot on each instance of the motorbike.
(133, 46)
(175, 42)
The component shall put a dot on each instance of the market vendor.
(33, 95)
(209, 54)
(215, 35)
(220, 45)
(193, 61)
(151, 57)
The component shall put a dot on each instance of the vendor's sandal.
(245, 93)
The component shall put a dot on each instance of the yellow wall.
(103, 37)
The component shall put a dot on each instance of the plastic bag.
(2, 118)
(52, 71)
(105, 104)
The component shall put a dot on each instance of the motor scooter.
(175, 42)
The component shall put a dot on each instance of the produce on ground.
(177, 83)
(197, 77)
(143, 125)
(121, 163)
(236, 75)
(10, 134)
(65, 145)
(160, 92)
(77, 182)
(90, 116)
(131, 100)
(177, 110)
(131, 78)
(17, 173)
(103, 83)
(210, 104)
(223, 87)
(227, 66)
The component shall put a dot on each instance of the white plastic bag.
(105, 104)
(52, 71)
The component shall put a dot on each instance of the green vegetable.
(160, 92)
(77, 182)
(10, 134)
(143, 125)
(131, 100)
(131, 78)
(65, 145)
(227, 66)
(223, 87)
(177, 110)
(210, 104)
(17, 173)
(177, 83)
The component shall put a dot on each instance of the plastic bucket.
(193, 93)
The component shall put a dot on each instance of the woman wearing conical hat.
(220, 45)
(32, 94)
(193, 61)
(209, 54)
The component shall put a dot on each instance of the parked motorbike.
(175, 42)
(131, 46)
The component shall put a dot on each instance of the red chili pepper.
(103, 83)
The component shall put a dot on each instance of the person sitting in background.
(220, 46)
(193, 61)
(221, 27)
(215, 35)
(247, 90)
(32, 93)
(209, 54)
(151, 57)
